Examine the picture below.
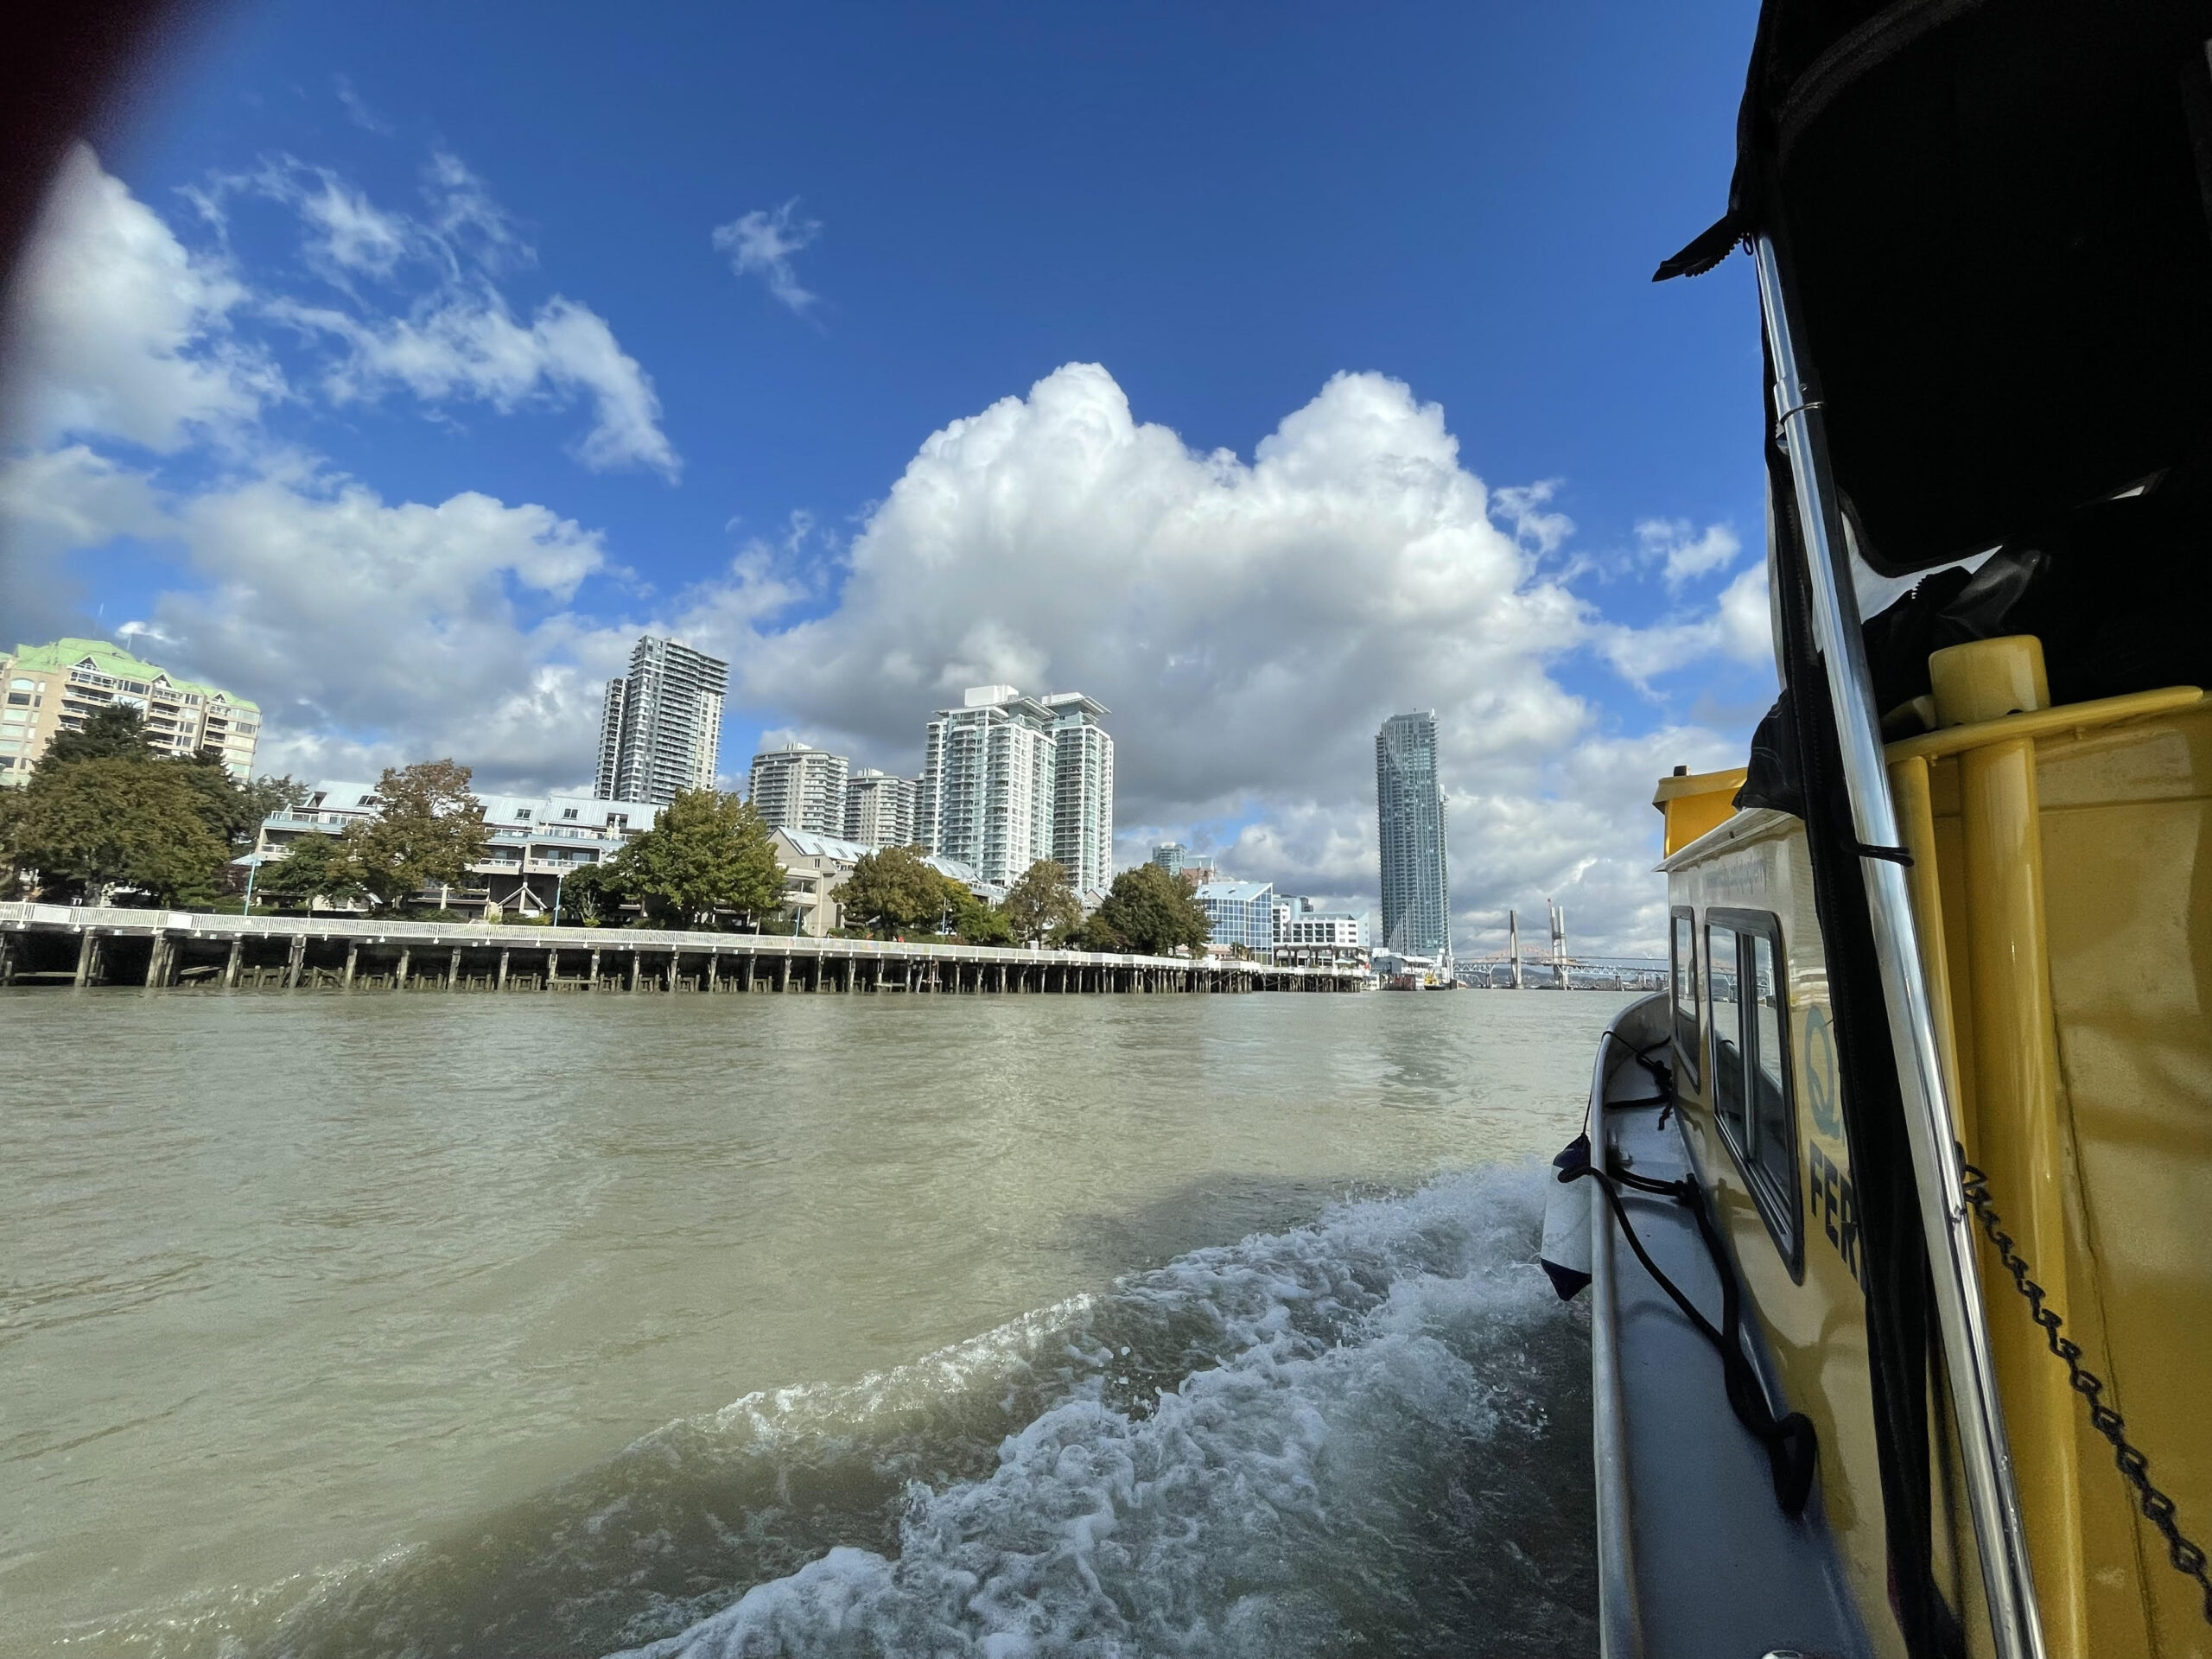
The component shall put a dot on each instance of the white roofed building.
(537, 841)
(1307, 935)
(815, 867)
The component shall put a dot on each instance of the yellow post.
(2017, 1138)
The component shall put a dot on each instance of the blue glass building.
(1410, 823)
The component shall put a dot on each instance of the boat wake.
(1365, 1435)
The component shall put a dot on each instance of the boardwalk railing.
(82, 945)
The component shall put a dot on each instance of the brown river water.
(378, 1325)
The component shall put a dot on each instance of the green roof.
(113, 659)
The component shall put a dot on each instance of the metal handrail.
(1931, 1121)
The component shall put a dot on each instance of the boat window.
(1720, 977)
(1772, 1140)
(1689, 1038)
(1750, 1065)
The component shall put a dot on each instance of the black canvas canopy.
(1994, 217)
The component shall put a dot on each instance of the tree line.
(1147, 912)
(105, 812)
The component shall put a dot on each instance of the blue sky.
(388, 366)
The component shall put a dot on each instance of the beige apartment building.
(51, 689)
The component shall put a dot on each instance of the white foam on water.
(1368, 1434)
(1346, 1399)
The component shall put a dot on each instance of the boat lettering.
(1836, 1204)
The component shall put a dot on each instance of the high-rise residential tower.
(880, 808)
(1082, 791)
(1410, 820)
(1008, 779)
(988, 775)
(798, 788)
(660, 730)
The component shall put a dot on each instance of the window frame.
(1689, 1064)
(1782, 1209)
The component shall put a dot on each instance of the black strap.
(1711, 245)
(1895, 855)
(1662, 1073)
(1792, 1448)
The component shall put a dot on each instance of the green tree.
(1148, 911)
(315, 866)
(707, 854)
(114, 820)
(977, 920)
(233, 810)
(591, 896)
(896, 889)
(1041, 904)
(427, 831)
(113, 730)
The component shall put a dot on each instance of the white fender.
(1566, 1252)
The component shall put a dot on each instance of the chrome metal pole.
(1930, 1122)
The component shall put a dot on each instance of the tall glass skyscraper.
(1409, 819)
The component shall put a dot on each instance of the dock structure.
(77, 946)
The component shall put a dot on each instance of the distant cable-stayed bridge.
(1554, 970)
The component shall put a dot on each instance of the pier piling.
(75, 945)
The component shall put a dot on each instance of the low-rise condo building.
(1307, 935)
(537, 842)
(1242, 914)
(51, 689)
(815, 866)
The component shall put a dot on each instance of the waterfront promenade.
(80, 945)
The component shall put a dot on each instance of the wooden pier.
(68, 945)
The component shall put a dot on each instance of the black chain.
(2157, 1509)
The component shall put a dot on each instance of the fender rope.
(1792, 1451)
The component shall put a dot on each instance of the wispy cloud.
(357, 110)
(761, 244)
(1520, 507)
(417, 302)
(1684, 554)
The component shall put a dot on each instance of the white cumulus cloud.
(116, 331)
(1249, 623)
(373, 631)
(53, 503)
(1738, 629)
